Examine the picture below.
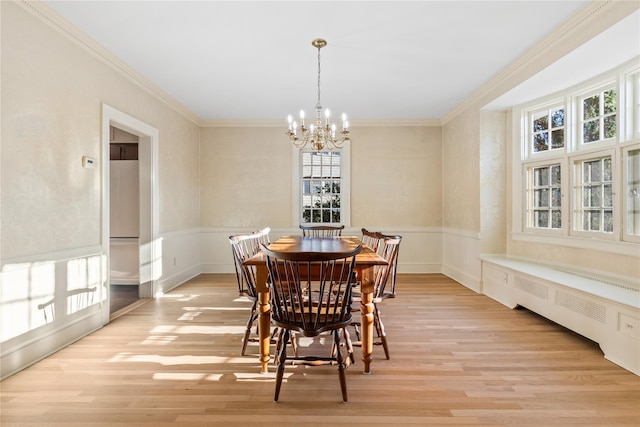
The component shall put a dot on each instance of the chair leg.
(356, 328)
(349, 344)
(341, 365)
(381, 333)
(294, 343)
(247, 333)
(278, 343)
(282, 357)
(276, 331)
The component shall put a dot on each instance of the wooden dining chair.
(371, 239)
(321, 230)
(311, 294)
(383, 275)
(389, 291)
(244, 246)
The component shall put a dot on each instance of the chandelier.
(322, 134)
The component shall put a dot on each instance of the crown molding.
(354, 123)
(394, 122)
(242, 123)
(594, 18)
(49, 16)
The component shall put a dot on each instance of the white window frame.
(625, 191)
(627, 84)
(559, 105)
(345, 185)
(631, 99)
(576, 199)
(578, 118)
(528, 205)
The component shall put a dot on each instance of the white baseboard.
(45, 342)
(465, 278)
(165, 284)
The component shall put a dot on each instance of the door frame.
(150, 242)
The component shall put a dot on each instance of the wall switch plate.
(89, 162)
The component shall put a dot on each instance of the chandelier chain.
(319, 105)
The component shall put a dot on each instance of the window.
(547, 129)
(545, 197)
(594, 195)
(321, 186)
(632, 191)
(582, 143)
(599, 118)
(321, 183)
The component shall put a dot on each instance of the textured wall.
(461, 173)
(52, 93)
(245, 177)
(493, 181)
(396, 175)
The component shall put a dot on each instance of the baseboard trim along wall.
(48, 302)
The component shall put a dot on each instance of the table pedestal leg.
(366, 311)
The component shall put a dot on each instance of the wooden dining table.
(366, 261)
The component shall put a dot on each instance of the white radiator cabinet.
(602, 310)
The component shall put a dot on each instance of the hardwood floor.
(123, 296)
(457, 358)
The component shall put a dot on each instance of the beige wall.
(493, 181)
(52, 95)
(245, 177)
(396, 177)
(461, 173)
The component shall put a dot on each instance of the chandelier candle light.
(321, 135)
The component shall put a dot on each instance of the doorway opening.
(124, 224)
(130, 232)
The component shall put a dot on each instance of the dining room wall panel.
(396, 176)
(245, 177)
(461, 172)
(493, 181)
(54, 87)
(396, 187)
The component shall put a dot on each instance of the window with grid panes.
(547, 129)
(320, 186)
(599, 116)
(595, 195)
(545, 197)
(584, 143)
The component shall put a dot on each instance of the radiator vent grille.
(532, 288)
(586, 308)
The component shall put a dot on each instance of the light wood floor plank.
(457, 358)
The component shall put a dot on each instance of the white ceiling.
(251, 60)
